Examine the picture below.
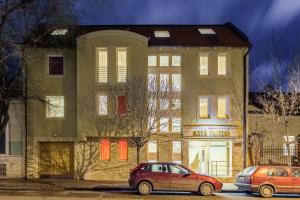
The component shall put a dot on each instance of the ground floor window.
(211, 157)
(4, 142)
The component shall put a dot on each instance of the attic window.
(162, 34)
(206, 31)
(62, 31)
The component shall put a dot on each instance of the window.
(277, 172)
(56, 65)
(176, 124)
(102, 65)
(222, 107)
(176, 147)
(164, 125)
(102, 104)
(162, 168)
(62, 31)
(176, 61)
(123, 150)
(152, 147)
(176, 169)
(3, 142)
(203, 64)
(164, 61)
(203, 107)
(291, 140)
(164, 82)
(222, 69)
(152, 125)
(152, 61)
(152, 104)
(162, 34)
(122, 64)
(176, 104)
(122, 105)
(164, 104)
(151, 82)
(55, 106)
(105, 149)
(206, 31)
(176, 82)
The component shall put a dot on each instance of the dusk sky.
(260, 20)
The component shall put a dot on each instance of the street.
(120, 195)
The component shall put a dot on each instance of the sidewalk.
(70, 184)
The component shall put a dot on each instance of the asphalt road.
(123, 195)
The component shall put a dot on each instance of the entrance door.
(56, 160)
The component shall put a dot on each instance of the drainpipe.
(26, 124)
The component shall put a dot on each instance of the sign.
(212, 133)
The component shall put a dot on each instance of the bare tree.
(149, 109)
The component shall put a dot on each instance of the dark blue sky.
(261, 20)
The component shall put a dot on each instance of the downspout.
(26, 124)
(245, 105)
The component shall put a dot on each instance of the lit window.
(176, 82)
(105, 149)
(164, 125)
(122, 64)
(291, 140)
(222, 65)
(152, 147)
(164, 61)
(203, 62)
(206, 31)
(55, 106)
(176, 61)
(164, 104)
(102, 104)
(176, 124)
(164, 82)
(176, 147)
(62, 31)
(152, 61)
(123, 150)
(152, 104)
(152, 125)
(222, 107)
(162, 34)
(151, 82)
(102, 65)
(56, 65)
(122, 105)
(176, 104)
(203, 107)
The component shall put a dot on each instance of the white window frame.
(208, 107)
(174, 104)
(154, 142)
(221, 72)
(176, 87)
(149, 60)
(206, 31)
(48, 105)
(176, 124)
(105, 111)
(176, 58)
(122, 70)
(104, 77)
(164, 104)
(152, 82)
(164, 128)
(164, 86)
(168, 60)
(162, 34)
(292, 145)
(207, 71)
(226, 115)
(174, 144)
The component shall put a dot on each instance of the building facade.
(206, 66)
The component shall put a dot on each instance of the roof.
(181, 35)
(227, 35)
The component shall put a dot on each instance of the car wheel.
(144, 188)
(206, 189)
(266, 191)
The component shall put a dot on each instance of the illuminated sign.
(212, 133)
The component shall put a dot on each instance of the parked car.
(267, 180)
(148, 177)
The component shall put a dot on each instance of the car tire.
(266, 191)
(206, 189)
(144, 188)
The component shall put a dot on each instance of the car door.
(280, 178)
(160, 177)
(182, 179)
(295, 173)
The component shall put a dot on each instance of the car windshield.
(248, 171)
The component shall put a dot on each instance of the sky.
(271, 25)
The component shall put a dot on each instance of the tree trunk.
(138, 150)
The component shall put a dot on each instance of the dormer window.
(206, 31)
(62, 31)
(162, 34)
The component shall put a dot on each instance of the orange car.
(267, 180)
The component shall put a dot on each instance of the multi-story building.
(206, 65)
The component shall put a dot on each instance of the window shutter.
(121, 104)
(123, 150)
(105, 149)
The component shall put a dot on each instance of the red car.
(147, 177)
(267, 180)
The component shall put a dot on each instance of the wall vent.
(2, 170)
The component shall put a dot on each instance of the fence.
(278, 155)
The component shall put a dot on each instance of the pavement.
(71, 184)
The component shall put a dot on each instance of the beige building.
(205, 65)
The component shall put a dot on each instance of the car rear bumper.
(246, 187)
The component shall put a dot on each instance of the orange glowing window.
(123, 150)
(105, 149)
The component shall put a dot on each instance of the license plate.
(241, 179)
